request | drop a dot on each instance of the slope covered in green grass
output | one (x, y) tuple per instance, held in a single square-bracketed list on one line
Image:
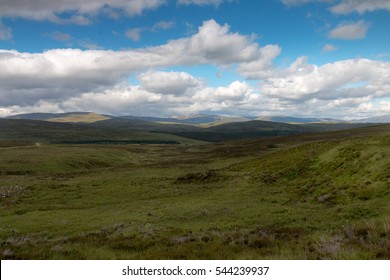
[(52, 132), (316, 196)]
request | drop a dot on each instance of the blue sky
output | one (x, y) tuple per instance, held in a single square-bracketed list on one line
[(317, 58)]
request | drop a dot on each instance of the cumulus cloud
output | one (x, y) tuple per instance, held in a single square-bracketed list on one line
[(119, 99), (350, 31), (356, 78), (263, 66), (125, 99), (50, 10), (338, 97), (237, 98), (54, 74), (176, 83), (78, 80), (347, 89), (214, 43), (58, 74), (236, 91)]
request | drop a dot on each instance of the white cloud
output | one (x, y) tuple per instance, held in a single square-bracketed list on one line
[(120, 99), (50, 10), (125, 99), (263, 66), (360, 6), (163, 25), (214, 43), (134, 34), (357, 78), (59, 74), (55, 74), (5, 32), (347, 99), (74, 19), (301, 2), (347, 6), (329, 48), (60, 36), (41, 106), (176, 83), (89, 45), (295, 2), (350, 31), (202, 2), (97, 80), (231, 94)]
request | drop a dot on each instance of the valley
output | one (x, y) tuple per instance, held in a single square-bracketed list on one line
[(262, 190)]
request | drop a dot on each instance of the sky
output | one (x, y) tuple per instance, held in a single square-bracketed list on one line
[(303, 58)]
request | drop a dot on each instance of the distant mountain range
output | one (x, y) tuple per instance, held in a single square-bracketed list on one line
[(87, 127), (379, 119), (205, 120), (71, 117), (287, 119), (200, 120), (88, 117)]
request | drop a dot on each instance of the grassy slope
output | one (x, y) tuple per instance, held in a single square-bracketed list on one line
[(139, 130), (46, 132), (80, 118), (313, 196), (244, 130), (222, 132)]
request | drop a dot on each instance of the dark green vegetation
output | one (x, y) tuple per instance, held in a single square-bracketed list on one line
[(52, 132), (314, 196), (90, 128)]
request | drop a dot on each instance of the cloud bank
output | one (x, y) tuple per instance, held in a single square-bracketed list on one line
[(77, 80), (62, 75)]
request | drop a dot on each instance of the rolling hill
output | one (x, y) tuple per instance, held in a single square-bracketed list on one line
[(87, 127), (89, 117), (309, 196), (378, 119), (54, 132), (71, 117), (287, 119), (199, 120)]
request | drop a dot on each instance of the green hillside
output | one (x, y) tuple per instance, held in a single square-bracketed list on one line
[(314, 196), (222, 132), (93, 128), (245, 130), (54, 132), (71, 117)]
